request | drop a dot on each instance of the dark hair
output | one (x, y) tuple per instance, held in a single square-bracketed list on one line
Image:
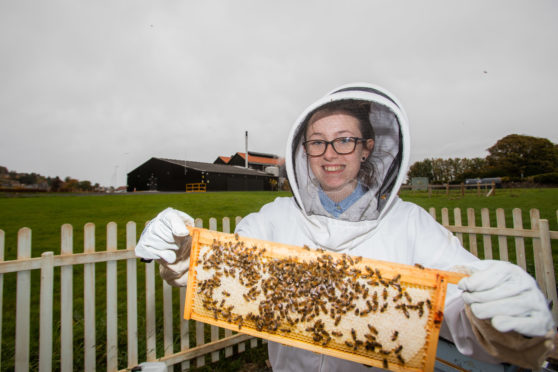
[(357, 109)]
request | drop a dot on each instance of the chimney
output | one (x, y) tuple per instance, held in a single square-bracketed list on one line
[(246, 150)]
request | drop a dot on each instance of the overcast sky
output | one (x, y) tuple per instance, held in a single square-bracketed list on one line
[(93, 89)]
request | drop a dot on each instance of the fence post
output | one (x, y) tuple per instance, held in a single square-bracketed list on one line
[(486, 239), (112, 300), (150, 330), (502, 240), (184, 330), (519, 242), (549, 278), (432, 212), (445, 217), (132, 296), (537, 255), (66, 301), (45, 301), (457, 222), (23, 302), (90, 347), (472, 237)]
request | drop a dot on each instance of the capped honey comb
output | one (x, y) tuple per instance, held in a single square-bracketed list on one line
[(372, 312)]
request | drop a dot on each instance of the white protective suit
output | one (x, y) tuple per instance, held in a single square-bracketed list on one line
[(378, 226)]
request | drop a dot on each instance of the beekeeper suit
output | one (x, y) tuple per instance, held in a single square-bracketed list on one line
[(372, 222)]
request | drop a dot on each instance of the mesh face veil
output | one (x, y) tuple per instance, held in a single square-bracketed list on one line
[(348, 185)]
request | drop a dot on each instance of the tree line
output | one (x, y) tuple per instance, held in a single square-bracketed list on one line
[(514, 158), (11, 180)]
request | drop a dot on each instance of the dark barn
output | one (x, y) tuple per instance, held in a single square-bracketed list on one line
[(173, 175)]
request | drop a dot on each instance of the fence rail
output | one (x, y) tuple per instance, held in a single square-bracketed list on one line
[(189, 341), (196, 187)]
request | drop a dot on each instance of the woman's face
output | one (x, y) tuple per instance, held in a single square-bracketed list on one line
[(337, 174)]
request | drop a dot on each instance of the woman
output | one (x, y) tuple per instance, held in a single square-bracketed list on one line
[(346, 157)]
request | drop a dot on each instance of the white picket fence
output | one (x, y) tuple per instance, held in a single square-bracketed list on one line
[(209, 341)]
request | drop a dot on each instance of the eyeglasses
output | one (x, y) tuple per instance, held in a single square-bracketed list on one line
[(341, 145)]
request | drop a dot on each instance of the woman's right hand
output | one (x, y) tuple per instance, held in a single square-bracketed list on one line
[(167, 240)]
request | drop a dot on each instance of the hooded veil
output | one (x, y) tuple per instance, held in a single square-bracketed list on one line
[(381, 173)]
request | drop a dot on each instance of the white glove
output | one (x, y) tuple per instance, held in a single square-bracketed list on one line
[(164, 236), (506, 294)]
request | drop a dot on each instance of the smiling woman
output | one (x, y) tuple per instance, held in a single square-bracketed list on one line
[(336, 167)]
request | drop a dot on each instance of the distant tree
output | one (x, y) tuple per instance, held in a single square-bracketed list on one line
[(3, 170), (29, 178), (85, 186), (447, 170), (474, 168), (70, 185), (421, 169), (55, 184), (520, 156)]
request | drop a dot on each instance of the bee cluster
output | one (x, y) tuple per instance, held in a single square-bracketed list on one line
[(337, 303)]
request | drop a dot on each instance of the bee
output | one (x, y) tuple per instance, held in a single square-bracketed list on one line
[(349, 344), (236, 236), (385, 294), (372, 329), (378, 274), (406, 312), (286, 330), (438, 317), (385, 363), (394, 336), (397, 298), (353, 334), (419, 266), (428, 304), (337, 320), (400, 358), (398, 349), (384, 307), (408, 297), (336, 334), (306, 247), (357, 311)]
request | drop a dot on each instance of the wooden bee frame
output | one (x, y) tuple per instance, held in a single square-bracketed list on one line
[(391, 285)]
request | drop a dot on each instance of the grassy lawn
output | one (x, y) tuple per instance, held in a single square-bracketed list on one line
[(45, 213)]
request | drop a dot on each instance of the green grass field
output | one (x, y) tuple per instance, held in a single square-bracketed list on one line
[(45, 213)]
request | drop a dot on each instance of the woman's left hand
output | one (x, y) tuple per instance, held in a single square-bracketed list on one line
[(506, 294)]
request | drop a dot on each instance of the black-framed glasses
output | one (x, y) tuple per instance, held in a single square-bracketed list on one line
[(341, 145)]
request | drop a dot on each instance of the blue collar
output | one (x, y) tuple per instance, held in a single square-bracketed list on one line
[(336, 209)]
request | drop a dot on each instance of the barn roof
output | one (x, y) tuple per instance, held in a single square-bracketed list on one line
[(215, 168), (259, 159)]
